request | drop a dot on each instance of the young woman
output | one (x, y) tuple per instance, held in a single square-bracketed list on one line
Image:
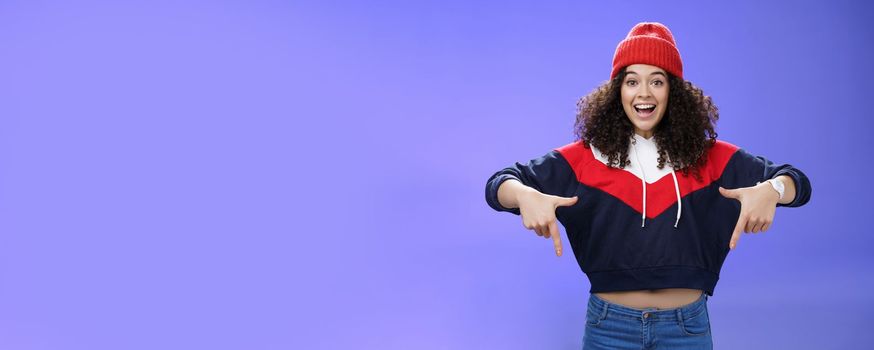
[(651, 201)]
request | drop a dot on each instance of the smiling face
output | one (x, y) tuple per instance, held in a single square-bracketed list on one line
[(645, 97)]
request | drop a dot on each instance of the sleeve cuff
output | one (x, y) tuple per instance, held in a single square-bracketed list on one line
[(796, 181), (492, 193)]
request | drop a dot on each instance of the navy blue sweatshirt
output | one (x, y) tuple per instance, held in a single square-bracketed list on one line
[(641, 227)]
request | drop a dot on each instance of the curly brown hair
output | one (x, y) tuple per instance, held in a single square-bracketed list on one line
[(684, 134)]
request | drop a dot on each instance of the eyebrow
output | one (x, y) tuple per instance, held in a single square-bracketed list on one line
[(653, 73)]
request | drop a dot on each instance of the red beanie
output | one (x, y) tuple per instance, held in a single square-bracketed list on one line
[(648, 43)]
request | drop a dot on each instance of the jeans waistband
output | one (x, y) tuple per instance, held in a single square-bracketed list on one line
[(602, 307)]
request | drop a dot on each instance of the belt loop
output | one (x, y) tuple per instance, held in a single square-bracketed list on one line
[(603, 313), (680, 315)]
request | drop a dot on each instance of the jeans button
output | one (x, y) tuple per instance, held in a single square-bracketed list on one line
[(646, 315)]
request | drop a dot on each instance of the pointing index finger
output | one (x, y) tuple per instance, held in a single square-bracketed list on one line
[(556, 237), (735, 236)]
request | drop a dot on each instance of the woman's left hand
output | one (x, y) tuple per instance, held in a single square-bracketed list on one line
[(757, 206)]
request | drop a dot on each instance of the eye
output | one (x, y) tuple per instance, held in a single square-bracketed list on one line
[(631, 83), (658, 83)]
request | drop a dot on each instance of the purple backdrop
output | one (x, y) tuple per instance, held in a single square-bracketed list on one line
[(275, 175)]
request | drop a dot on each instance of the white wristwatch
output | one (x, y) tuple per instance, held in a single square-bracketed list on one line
[(777, 185)]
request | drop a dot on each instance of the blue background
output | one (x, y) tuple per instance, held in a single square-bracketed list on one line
[(310, 175)]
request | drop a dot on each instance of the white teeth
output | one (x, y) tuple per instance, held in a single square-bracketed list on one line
[(644, 106)]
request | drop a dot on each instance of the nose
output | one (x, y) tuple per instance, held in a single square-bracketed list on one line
[(643, 91)]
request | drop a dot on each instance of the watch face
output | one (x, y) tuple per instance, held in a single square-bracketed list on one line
[(778, 185)]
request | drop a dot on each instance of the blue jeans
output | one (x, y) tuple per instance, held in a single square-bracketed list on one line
[(614, 326)]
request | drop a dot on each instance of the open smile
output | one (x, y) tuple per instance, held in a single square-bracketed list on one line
[(645, 110)]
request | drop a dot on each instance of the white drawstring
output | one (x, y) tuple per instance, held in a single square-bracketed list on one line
[(679, 200), (642, 182)]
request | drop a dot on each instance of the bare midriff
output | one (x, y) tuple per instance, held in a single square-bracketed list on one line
[(653, 298)]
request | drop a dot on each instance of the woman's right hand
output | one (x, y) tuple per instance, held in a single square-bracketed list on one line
[(538, 214)]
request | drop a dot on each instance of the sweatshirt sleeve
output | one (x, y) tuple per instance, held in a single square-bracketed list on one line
[(548, 174), (754, 169)]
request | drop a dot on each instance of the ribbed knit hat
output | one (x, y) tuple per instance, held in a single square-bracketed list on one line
[(648, 43)]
